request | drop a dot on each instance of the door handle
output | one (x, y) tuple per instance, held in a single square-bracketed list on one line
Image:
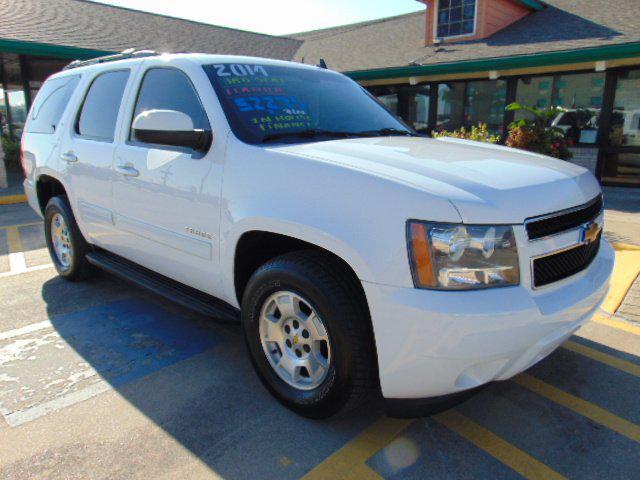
[(69, 157), (127, 171)]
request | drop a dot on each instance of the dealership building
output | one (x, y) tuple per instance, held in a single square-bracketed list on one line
[(455, 63)]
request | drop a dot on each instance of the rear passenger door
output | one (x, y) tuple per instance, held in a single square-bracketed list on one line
[(167, 198), (86, 155)]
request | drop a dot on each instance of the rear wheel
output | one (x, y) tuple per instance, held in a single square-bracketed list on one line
[(308, 333), (66, 244)]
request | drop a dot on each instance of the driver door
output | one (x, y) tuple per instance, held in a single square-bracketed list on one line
[(167, 198)]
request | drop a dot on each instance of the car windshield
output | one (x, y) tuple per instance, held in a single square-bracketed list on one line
[(273, 103)]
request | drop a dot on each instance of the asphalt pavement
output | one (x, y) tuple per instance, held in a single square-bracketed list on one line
[(103, 380)]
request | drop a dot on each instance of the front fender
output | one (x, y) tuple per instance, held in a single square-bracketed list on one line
[(356, 215), (299, 231)]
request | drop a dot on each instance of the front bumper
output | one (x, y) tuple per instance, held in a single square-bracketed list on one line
[(433, 343)]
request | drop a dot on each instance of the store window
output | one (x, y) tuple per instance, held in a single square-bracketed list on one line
[(625, 119), (4, 119), (534, 92), (463, 104), (15, 99), (38, 69), (450, 106), (621, 154), (390, 100), (579, 94), (486, 101), (418, 110), (456, 17), (411, 103), (389, 97)]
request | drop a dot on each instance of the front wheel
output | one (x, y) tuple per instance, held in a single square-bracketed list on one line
[(308, 333), (66, 244)]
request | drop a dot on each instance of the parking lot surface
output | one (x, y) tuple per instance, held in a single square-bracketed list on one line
[(103, 380)]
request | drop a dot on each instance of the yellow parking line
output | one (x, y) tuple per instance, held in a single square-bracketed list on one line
[(626, 269), (348, 462), (12, 199), (17, 262), (510, 455), (625, 246), (618, 324), (602, 357), (580, 406), (20, 225), (13, 240)]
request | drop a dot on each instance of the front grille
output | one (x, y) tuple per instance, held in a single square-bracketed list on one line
[(557, 266), (556, 223)]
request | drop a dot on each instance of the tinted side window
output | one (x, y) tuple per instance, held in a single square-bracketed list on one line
[(50, 104), (170, 89), (100, 108)]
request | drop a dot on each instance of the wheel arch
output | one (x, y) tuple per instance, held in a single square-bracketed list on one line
[(47, 187), (256, 247)]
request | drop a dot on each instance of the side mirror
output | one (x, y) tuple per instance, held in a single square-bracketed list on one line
[(169, 127)]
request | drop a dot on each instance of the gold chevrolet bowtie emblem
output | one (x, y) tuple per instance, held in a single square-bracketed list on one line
[(295, 339), (590, 232)]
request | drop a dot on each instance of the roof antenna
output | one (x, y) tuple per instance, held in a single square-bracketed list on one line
[(322, 63)]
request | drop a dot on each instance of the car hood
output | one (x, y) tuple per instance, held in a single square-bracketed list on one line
[(486, 183)]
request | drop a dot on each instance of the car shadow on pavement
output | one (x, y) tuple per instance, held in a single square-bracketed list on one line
[(192, 377)]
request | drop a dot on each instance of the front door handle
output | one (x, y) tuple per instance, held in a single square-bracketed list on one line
[(69, 157), (127, 171)]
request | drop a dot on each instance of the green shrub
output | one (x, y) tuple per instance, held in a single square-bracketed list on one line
[(11, 149), (478, 133), (537, 134)]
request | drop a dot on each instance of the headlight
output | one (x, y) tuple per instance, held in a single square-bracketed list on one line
[(450, 256)]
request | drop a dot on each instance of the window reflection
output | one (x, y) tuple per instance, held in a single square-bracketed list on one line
[(450, 106), (390, 101), (486, 102), (625, 120), (579, 94), (14, 94), (418, 114)]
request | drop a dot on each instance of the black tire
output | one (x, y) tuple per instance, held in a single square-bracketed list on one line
[(334, 295), (79, 268)]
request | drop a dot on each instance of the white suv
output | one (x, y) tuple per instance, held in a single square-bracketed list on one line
[(358, 254)]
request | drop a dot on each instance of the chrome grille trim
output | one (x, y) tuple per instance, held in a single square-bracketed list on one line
[(560, 213)]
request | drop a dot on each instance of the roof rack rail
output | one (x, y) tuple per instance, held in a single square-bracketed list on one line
[(129, 53)]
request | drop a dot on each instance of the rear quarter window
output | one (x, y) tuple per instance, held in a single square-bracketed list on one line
[(50, 104)]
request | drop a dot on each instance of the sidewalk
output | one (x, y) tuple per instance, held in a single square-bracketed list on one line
[(622, 215), (11, 190)]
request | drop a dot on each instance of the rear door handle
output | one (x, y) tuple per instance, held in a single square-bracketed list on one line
[(69, 157), (127, 171)]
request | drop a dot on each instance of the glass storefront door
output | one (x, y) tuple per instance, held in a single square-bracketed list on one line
[(621, 153)]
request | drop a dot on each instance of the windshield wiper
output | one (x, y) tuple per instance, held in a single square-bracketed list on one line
[(385, 132), (312, 133)]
